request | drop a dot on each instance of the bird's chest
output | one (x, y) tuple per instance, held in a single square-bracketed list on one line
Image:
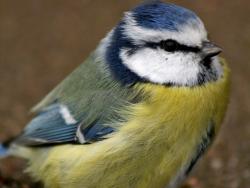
[(179, 125)]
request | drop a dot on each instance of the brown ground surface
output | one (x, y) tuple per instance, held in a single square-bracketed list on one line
[(42, 41)]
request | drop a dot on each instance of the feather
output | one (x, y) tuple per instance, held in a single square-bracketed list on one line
[(3, 151), (80, 109)]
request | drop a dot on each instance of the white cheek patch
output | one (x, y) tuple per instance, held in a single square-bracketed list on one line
[(162, 67)]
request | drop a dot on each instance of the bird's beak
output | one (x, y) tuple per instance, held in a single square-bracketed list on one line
[(209, 50)]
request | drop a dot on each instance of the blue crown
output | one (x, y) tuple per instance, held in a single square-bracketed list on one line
[(158, 15), (154, 15)]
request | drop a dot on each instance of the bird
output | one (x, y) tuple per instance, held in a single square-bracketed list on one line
[(138, 113)]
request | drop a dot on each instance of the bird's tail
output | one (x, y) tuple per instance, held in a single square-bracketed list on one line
[(10, 148), (4, 151), (5, 148)]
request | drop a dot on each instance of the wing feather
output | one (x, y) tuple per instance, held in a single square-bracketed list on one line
[(81, 109)]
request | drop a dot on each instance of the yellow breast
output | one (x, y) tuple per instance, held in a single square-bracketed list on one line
[(159, 139)]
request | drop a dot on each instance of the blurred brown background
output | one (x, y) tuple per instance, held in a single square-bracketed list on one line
[(41, 41)]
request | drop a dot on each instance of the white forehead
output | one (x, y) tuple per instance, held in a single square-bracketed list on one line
[(193, 33)]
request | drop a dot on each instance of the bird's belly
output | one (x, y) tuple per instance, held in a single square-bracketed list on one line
[(137, 156)]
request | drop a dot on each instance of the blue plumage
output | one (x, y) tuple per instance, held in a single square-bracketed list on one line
[(96, 132), (118, 69), (159, 15), (50, 127), (50, 117), (3, 151)]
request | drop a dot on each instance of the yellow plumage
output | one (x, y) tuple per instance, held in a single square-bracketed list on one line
[(159, 139)]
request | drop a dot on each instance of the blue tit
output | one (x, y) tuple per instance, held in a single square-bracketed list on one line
[(138, 113)]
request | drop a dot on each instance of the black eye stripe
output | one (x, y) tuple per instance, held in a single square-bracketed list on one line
[(177, 47), (189, 48)]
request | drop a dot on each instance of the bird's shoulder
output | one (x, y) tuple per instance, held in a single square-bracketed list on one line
[(81, 109)]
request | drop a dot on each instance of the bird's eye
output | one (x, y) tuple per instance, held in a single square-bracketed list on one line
[(169, 45)]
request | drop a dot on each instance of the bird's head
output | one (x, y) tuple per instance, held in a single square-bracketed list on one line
[(161, 43)]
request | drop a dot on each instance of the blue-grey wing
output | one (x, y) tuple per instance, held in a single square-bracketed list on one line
[(56, 125)]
